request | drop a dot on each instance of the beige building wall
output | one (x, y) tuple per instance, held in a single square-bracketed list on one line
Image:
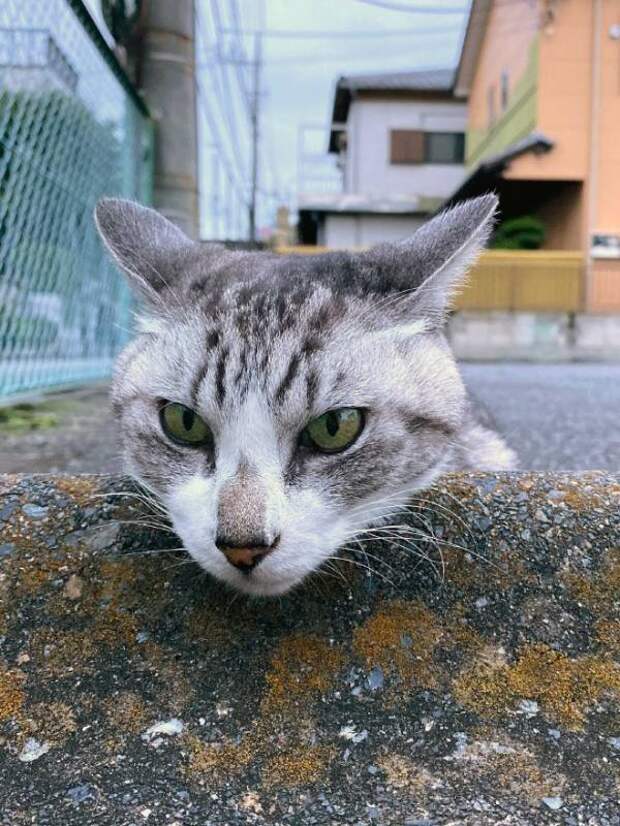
[(606, 167), (563, 217), (563, 96), (511, 29)]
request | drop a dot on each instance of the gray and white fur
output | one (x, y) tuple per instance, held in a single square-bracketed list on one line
[(258, 344)]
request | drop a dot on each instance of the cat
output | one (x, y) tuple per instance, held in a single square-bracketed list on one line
[(278, 404)]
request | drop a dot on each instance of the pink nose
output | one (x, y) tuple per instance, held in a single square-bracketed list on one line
[(245, 559)]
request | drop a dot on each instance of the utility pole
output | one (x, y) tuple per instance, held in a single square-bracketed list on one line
[(255, 121), (168, 83)]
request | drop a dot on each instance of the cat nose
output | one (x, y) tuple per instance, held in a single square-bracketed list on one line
[(245, 558)]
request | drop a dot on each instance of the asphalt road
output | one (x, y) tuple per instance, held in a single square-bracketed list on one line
[(556, 416)]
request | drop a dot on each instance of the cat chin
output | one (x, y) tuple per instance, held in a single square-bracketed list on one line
[(252, 587), (265, 581)]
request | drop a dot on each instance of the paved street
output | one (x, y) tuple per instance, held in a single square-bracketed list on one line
[(556, 416)]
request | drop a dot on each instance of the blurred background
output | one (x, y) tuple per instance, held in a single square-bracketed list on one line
[(303, 126)]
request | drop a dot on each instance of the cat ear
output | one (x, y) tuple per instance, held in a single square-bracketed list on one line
[(429, 267), (146, 246)]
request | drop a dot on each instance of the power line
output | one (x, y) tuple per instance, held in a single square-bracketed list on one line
[(241, 78), (224, 92), (303, 34), (403, 7)]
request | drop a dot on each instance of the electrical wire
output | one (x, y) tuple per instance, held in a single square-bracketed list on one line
[(312, 34), (403, 7)]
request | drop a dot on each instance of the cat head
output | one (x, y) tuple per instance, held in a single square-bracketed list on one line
[(277, 405)]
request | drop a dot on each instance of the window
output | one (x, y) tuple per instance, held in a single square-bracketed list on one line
[(413, 146), (445, 147), (504, 91), (491, 105)]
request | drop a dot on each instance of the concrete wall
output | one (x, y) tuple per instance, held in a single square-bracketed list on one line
[(368, 169), (346, 231), (468, 669), (486, 336)]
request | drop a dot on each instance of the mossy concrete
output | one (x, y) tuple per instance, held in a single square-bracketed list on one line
[(472, 678)]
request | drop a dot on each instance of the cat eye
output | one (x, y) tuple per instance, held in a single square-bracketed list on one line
[(334, 431), (182, 425)]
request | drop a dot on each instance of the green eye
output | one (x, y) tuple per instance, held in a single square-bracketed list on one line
[(335, 430), (184, 426)]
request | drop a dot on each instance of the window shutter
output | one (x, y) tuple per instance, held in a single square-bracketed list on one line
[(406, 146)]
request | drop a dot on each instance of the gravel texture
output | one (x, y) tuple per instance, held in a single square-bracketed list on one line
[(479, 690)]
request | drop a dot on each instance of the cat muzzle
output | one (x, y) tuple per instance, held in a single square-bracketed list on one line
[(245, 559)]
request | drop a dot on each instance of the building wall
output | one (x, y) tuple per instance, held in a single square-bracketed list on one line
[(564, 101), (509, 46), (350, 231), (563, 217), (606, 167), (368, 169)]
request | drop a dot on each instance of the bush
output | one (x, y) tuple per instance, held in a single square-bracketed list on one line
[(524, 233)]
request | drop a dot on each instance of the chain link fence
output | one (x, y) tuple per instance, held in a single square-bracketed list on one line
[(71, 130)]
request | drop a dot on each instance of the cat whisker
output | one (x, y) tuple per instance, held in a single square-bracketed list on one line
[(366, 568), (155, 552), (156, 526), (419, 553), (127, 494), (368, 556)]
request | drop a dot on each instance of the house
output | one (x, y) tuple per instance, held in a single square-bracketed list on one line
[(399, 141), (542, 81)]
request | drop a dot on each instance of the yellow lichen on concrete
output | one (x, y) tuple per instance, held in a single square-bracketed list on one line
[(584, 493), (58, 652), (301, 669), (80, 488), (481, 686), (406, 640), (210, 626), (116, 578), (481, 576), (126, 712), (281, 736), (402, 774), (608, 635), (565, 688), (28, 576), (11, 692), (52, 722), (297, 766), (401, 638), (216, 761), (600, 592)]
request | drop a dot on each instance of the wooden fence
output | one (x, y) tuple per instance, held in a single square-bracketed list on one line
[(526, 280)]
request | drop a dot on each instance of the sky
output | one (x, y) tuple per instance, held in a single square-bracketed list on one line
[(299, 73)]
